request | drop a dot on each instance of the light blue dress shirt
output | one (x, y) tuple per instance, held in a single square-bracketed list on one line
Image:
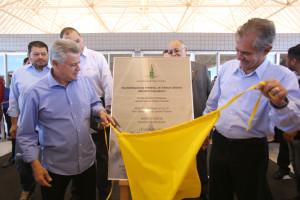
[(62, 115), (234, 119), (21, 79)]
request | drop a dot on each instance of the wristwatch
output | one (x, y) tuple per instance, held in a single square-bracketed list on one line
[(286, 102), (108, 112)]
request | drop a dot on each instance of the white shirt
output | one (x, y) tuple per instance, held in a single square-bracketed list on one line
[(94, 66)]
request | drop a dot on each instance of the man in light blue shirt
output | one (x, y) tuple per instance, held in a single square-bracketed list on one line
[(21, 79), (60, 105), (239, 159), (94, 66)]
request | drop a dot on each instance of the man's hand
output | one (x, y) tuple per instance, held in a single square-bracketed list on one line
[(13, 131), (105, 120), (276, 89), (41, 174), (289, 137), (14, 127)]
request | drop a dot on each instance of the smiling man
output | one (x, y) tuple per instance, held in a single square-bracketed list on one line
[(239, 158), (61, 105)]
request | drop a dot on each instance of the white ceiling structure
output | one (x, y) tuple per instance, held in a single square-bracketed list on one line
[(109, 16)]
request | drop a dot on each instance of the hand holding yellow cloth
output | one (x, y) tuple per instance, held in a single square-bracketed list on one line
[(161, 165)]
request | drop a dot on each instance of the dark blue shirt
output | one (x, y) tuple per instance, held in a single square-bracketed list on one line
[(6, 97)]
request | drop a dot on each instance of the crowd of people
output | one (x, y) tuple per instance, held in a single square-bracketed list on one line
[(63, 109)]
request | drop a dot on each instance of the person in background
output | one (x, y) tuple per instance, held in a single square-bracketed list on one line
[(26, 61), (21, 79), (68, 151), (2, 92), (5, 104), (94, 66), (283, 157), (213, 81), (201, 86), (293, 139), (239, 158), (166, 53)]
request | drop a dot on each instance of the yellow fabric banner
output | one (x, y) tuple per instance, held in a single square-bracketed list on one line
[(161, 165)]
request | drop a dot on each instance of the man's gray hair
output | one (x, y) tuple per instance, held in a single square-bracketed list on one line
[(59, 49), (263, 29)]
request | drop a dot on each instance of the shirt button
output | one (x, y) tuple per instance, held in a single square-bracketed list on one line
[(79, 157), (75, 116), (79, 144), (78, 130)]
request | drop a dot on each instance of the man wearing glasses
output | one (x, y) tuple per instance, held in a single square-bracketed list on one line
[(201, 86)]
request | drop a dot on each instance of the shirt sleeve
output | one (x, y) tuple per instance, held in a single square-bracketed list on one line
[(14, 110), (106, 80), (96, 103), (288, 118), (27, 137)]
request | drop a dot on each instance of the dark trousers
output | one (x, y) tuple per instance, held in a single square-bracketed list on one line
[(84, 182), (240, 167), (283, 158), (202, 171), (25, 172), (103, 185), (294, 147)]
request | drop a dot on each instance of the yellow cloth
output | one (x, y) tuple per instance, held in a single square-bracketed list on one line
[(161, 165)]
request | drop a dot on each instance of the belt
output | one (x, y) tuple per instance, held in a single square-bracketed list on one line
[(246, 140)]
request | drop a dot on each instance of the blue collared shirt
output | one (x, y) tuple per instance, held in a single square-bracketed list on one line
[(233, 120), (62, 115), (21, 79), (94, 66)]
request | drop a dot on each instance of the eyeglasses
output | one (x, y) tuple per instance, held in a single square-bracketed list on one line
[(174, 51)]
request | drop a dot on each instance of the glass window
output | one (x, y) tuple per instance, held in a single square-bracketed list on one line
[(111, 59), (282, 58), (152, 55), (226, 57), (271, 57), (106, 57), (15, 61)]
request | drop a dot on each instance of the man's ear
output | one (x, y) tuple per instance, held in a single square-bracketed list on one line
[(268, 49), (54, 64), (293, 62)]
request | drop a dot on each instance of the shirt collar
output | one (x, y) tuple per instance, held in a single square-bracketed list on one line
[(52, 82), (259, 71), (31, 66), (85, 53)]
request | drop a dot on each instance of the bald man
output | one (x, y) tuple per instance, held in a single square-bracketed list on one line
[(201, 86)]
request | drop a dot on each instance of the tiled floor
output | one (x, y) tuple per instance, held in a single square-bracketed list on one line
[(5, 147)]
